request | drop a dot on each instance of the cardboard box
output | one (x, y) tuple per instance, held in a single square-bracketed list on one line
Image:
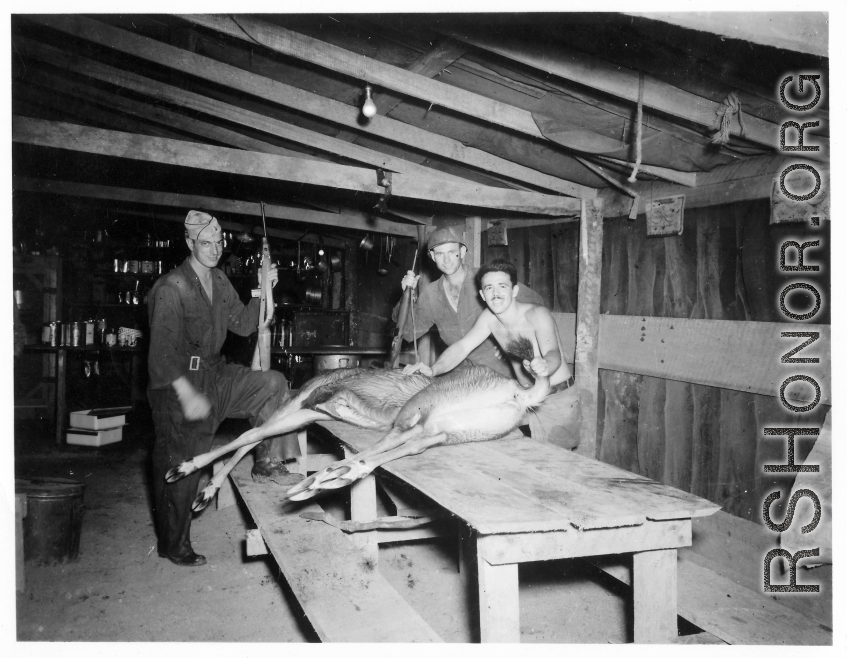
[(96, 438), (99, 419)]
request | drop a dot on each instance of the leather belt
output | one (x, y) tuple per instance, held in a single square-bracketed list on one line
[(563, 386)]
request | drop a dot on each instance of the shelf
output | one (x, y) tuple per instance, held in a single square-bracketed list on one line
[(85, 348)]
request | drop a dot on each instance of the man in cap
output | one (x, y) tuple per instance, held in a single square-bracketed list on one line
[(192, 389), (452, 302)]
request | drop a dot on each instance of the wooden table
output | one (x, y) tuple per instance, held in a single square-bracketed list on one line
[(527, 501)]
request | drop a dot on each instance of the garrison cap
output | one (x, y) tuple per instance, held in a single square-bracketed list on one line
[(197, 222), (444, 235)]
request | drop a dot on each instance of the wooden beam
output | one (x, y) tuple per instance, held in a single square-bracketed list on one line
[(598, 74), (588, 322), (303, 101), (355, 221), (247, 118), (321, 53), (800, 31), (277, 167), (742, 181), (687, 178), (429, 65), (743, 356)]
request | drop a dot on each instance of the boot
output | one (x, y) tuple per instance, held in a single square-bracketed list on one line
[(271, 455)]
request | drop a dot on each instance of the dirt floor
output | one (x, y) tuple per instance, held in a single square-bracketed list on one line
[(120, 590)]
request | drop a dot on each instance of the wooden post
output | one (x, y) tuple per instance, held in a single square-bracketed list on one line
[(226, 494), (20, 514), (588, 320), (61, 405), (654, 590), (363, 508), (473, 241), (499, 610)]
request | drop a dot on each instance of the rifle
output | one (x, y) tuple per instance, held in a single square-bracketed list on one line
[(402, 318), (262, 354)]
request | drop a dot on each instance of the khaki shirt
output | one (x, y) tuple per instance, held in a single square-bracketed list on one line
[(184, 323)]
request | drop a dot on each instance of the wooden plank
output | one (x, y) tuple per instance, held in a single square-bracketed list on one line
[(560, 60), (20, 515), (342, 593), (277, 167), (499, 608), (704, 195), (619, 437), (430, 65), (705, 448), (337, 59), (206, 105), (554, 489), (740, 616), (565, 265), (538, 546), (743, 356), (737, 467), (622, 492), (588, 322), (799, 31), (654, 592), (187, 201), (732, 612), (303, 101)]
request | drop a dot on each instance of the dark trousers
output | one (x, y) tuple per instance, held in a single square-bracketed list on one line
[(234, 392)]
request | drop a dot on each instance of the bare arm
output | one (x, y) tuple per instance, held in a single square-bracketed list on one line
[(458, 351), (545, 333)]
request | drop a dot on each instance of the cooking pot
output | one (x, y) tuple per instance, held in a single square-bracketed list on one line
[(323, 362), (367, 243)]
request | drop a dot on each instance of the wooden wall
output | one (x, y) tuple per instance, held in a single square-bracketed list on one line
[(701, 439)]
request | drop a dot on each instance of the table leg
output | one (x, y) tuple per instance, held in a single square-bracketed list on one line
[(499, 611), (654, 588), (363, 508)]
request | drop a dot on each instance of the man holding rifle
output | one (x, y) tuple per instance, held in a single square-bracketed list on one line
[(452, 302)]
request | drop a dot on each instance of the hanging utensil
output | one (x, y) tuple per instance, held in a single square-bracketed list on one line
[(367, 243), (381, 269)]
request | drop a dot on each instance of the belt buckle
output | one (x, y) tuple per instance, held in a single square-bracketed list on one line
[(194, 364)]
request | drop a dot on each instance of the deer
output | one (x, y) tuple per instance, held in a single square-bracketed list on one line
[(468, 404), (366, 398), (465, 405)]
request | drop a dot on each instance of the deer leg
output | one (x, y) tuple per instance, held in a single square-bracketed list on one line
[(208, 493), (364, 465), (281, 425), (308, 487)]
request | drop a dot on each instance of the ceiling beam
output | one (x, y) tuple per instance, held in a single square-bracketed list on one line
[(276, 167), (598, 74), (740, 181), (800, 31), (343, 61), (186, 202), (303, 101), (196, 102), (326, 55), (429, 65)]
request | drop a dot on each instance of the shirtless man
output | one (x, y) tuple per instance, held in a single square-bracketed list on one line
[(520, 329)]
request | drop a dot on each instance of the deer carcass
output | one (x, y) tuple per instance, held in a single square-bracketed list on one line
[(467, 404), (365, 398)]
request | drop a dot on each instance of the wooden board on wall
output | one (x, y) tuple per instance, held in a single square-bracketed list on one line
[(743, 356)]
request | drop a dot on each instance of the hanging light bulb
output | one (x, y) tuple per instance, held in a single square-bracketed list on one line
[(368, 107)]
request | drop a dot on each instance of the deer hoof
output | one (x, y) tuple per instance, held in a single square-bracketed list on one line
[(179, 472), (204, 498)]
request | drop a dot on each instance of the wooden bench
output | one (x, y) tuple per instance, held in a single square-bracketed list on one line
[(339, 588), (719, 587)]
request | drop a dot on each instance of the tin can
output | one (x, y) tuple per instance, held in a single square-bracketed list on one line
[(45, 333), (147, 267), (89, 332), (111, 339), (117, 265), (132, 266), (77, 334), (55, 334), (158, 267), (66, 333)]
